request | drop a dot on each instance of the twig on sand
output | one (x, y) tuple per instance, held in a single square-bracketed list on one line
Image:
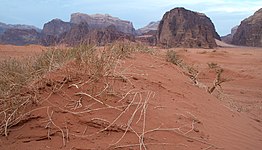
[(95, 99), (50, 121)]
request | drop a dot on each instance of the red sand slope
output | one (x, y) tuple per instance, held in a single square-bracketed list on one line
[(165, 110)]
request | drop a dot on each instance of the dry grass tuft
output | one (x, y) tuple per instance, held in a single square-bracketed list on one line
[(171, 56), (18, 76)]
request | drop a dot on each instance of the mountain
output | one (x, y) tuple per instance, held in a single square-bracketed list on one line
[(56, 27), (228, 38), (152, 26), (184, 28), (101, 21), (249, 32), (19, 34)]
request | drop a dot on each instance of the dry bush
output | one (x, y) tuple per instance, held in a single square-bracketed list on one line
[(171, 56), (212, 65)]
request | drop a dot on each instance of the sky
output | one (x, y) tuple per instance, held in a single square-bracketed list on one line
[(225, 14)]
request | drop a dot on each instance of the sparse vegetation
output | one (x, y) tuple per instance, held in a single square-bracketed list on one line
[(20, 75), (218, 80), (171, 56), (212, 65)]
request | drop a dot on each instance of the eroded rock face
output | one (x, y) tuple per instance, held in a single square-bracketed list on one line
[(249, 32), (184, 28), (100, 21)]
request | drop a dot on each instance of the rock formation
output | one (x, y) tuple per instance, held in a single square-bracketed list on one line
[(100, 21), (184, 28), (148, 33), (249, 32), (4, 27), (82, 33), (20, 36), (56, 27), (152, 26), (228, 38)]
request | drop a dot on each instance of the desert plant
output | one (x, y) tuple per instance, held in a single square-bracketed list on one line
[(218, 81), (171, 56), (212, 65)]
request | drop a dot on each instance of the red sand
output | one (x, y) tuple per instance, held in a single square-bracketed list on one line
[(179, 115), (10, 51)]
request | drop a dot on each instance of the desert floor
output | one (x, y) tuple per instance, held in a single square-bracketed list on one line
[(151, 104)]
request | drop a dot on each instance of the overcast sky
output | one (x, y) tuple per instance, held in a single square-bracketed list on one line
[(225, 14)]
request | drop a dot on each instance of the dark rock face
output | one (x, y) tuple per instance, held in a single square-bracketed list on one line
[(184, 28), (76, 35), (100, 21), (228, 38), (249, 32)]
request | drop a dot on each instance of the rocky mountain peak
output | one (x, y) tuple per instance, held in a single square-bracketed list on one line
[(56, 27), (180, 27)]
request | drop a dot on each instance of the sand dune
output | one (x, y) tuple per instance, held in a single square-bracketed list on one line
[(163, 106)]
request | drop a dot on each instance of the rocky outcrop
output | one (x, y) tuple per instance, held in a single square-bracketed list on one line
[(152, 26), (184, 28), (100, 21), (53, 31), (20, 36), (56, 27), (83, 34), (249, 32), (228, 38)]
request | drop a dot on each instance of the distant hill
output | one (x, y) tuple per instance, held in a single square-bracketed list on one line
[(152, 26)]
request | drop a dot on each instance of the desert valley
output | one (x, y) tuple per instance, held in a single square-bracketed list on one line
[(96, 82)]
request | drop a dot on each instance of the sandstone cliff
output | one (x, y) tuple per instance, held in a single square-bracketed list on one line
[(249, 32), (184, 28)]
